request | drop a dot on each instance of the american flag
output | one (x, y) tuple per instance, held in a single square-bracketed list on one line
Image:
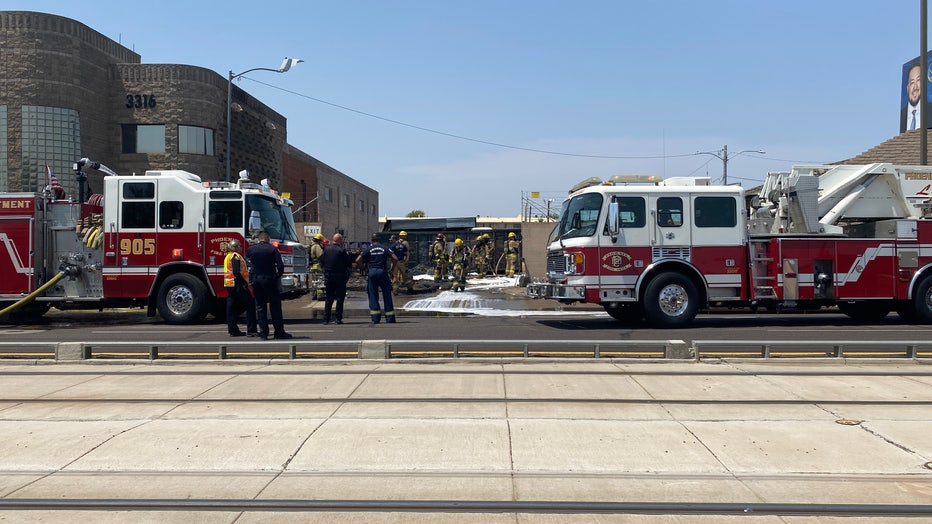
[(57, 190)]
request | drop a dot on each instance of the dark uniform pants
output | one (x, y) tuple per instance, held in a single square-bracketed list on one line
[(380, 282), (268, 302), (335, 289), (239, 299)]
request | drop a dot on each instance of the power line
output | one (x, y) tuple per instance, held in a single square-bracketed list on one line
[(461, 137), (498, 144)]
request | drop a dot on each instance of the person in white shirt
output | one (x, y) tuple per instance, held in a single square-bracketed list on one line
[(911, 115)]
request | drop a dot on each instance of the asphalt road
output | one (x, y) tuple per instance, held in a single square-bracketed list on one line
[(523, 320)]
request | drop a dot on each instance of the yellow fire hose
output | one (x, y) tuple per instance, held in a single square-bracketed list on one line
[(25, 300)]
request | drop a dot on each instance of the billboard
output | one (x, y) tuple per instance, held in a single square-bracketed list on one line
[(910, 115)]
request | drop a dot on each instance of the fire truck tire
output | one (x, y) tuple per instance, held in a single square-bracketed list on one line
[(625, 313), (670, 301), (922, 301), (182, 299)]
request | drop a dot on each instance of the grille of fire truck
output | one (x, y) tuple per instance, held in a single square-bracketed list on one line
[(682, 253), (556, 263)]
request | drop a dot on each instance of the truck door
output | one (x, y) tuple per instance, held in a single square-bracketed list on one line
[(670, 226), (130, 238), (225, 222)]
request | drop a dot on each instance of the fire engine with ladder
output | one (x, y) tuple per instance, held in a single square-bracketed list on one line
[(154, 240), (857, 237)]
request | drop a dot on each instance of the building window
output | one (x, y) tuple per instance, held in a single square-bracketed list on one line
[(51, 135), (372, 209), (143, 138), (362, 206), (196, 140), (345, 200), (328, 195)]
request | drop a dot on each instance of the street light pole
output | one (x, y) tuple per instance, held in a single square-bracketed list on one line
[(287, 64), (725, 157)]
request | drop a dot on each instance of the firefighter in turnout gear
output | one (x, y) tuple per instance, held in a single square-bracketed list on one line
[(478, 255), (315, 272), (512, 250), (236, 282), (489, 253), (438, 253), (459, 260), (400, 248)]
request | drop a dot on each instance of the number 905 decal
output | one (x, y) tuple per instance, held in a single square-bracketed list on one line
[(137, 246)]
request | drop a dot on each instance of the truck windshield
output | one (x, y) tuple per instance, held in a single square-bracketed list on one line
[(276, 219), (580, 217)]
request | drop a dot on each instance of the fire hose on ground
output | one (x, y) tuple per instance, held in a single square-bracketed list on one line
[(28, 298)]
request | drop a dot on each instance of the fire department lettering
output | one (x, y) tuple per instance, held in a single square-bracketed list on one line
[(16, 204), (616, 261), (137, 246)]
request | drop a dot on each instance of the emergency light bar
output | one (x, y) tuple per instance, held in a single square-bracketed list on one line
[(635, 179), (591, 181)]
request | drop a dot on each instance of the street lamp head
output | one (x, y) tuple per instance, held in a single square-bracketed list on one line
[(288, 63)]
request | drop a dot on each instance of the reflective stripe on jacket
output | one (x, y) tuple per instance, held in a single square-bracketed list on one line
[(229, 279)]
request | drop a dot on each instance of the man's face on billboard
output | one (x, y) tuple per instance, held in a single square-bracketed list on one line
[(912, 85)]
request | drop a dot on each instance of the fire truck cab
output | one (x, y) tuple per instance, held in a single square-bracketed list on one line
[(656, 251)]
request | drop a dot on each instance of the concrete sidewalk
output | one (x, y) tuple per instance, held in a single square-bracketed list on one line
[(492, 430)]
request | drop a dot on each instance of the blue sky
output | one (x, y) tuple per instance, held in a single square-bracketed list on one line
[(649, 82)]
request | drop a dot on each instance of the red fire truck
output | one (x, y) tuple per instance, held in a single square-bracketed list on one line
[(154, 241), (852, 236)]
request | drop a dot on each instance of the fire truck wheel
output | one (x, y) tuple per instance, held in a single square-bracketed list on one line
[(922, 301), (625, 313), (670, 301), (182, 299)]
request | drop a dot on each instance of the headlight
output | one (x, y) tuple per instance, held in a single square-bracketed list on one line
[(575, 263), (287, 260)]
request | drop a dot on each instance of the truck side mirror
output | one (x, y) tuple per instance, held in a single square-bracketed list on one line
[(612, 220)]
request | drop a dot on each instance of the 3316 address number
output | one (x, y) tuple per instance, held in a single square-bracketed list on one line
[(140, 101)]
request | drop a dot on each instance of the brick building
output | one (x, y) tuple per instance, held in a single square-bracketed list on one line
[(67, 92)]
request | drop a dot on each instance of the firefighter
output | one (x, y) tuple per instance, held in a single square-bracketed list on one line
[(438, 253), (459, 260), (512, 249), (317, 249), (265, 269), (490, 266), (478, 255), (378, 257), (316, 273), (400, 248), (236, 282)]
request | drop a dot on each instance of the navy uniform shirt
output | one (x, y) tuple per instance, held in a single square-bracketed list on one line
[(335, 259), (376, 256), (264, 260)]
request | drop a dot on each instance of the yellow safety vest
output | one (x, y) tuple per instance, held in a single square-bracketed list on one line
[(229, 279)]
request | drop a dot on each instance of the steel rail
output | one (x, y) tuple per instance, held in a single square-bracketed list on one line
[(473, 506)]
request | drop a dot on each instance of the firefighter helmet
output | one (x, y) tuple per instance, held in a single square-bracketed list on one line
[(233, 245), (458, 242), (511, 235), (439, 236), (403, 234), (318, 237)]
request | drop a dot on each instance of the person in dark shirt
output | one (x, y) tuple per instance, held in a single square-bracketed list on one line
[(265, 268), (336, 264), (378, 257)]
